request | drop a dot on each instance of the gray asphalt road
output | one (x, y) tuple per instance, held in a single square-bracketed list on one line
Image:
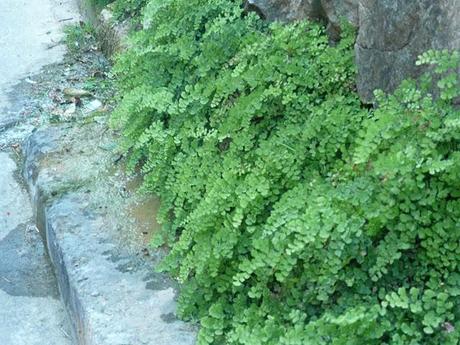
[(30, 310), (29, 33)]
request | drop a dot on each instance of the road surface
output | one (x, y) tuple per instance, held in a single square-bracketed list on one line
[(30, 310)]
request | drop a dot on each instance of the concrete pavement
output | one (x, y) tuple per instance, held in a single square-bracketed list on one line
[(30, 310)]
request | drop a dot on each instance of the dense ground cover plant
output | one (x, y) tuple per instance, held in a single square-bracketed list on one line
[(99, 3), (78, 37), (122, 9), (128, 8), (294, 215)]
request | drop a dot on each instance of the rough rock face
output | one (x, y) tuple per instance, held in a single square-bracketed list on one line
[(391, 33), (337, 10), (286, 10)]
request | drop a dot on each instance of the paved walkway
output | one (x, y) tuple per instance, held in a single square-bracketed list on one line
[(30, 310)]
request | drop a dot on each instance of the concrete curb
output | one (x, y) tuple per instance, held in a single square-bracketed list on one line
[(112, 296)]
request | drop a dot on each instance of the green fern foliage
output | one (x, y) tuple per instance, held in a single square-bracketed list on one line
[(128, 8), (294, 215)]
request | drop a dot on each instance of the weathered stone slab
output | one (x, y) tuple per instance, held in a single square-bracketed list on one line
[(110, 291), (393, 33), (286, 10), (332, 11), (108, 305)]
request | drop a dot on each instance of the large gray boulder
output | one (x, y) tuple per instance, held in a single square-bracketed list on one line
[(286, 10), (336, 11), (391, 33)]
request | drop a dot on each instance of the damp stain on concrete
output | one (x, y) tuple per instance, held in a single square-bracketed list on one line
[(169, 318), (25, 269)]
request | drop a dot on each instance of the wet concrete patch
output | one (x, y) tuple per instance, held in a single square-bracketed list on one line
[(169, 318), (144, 213), (24, 265), (157, 281), (154, 281)]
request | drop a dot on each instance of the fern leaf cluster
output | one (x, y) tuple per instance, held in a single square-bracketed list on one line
[(295, 216)]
